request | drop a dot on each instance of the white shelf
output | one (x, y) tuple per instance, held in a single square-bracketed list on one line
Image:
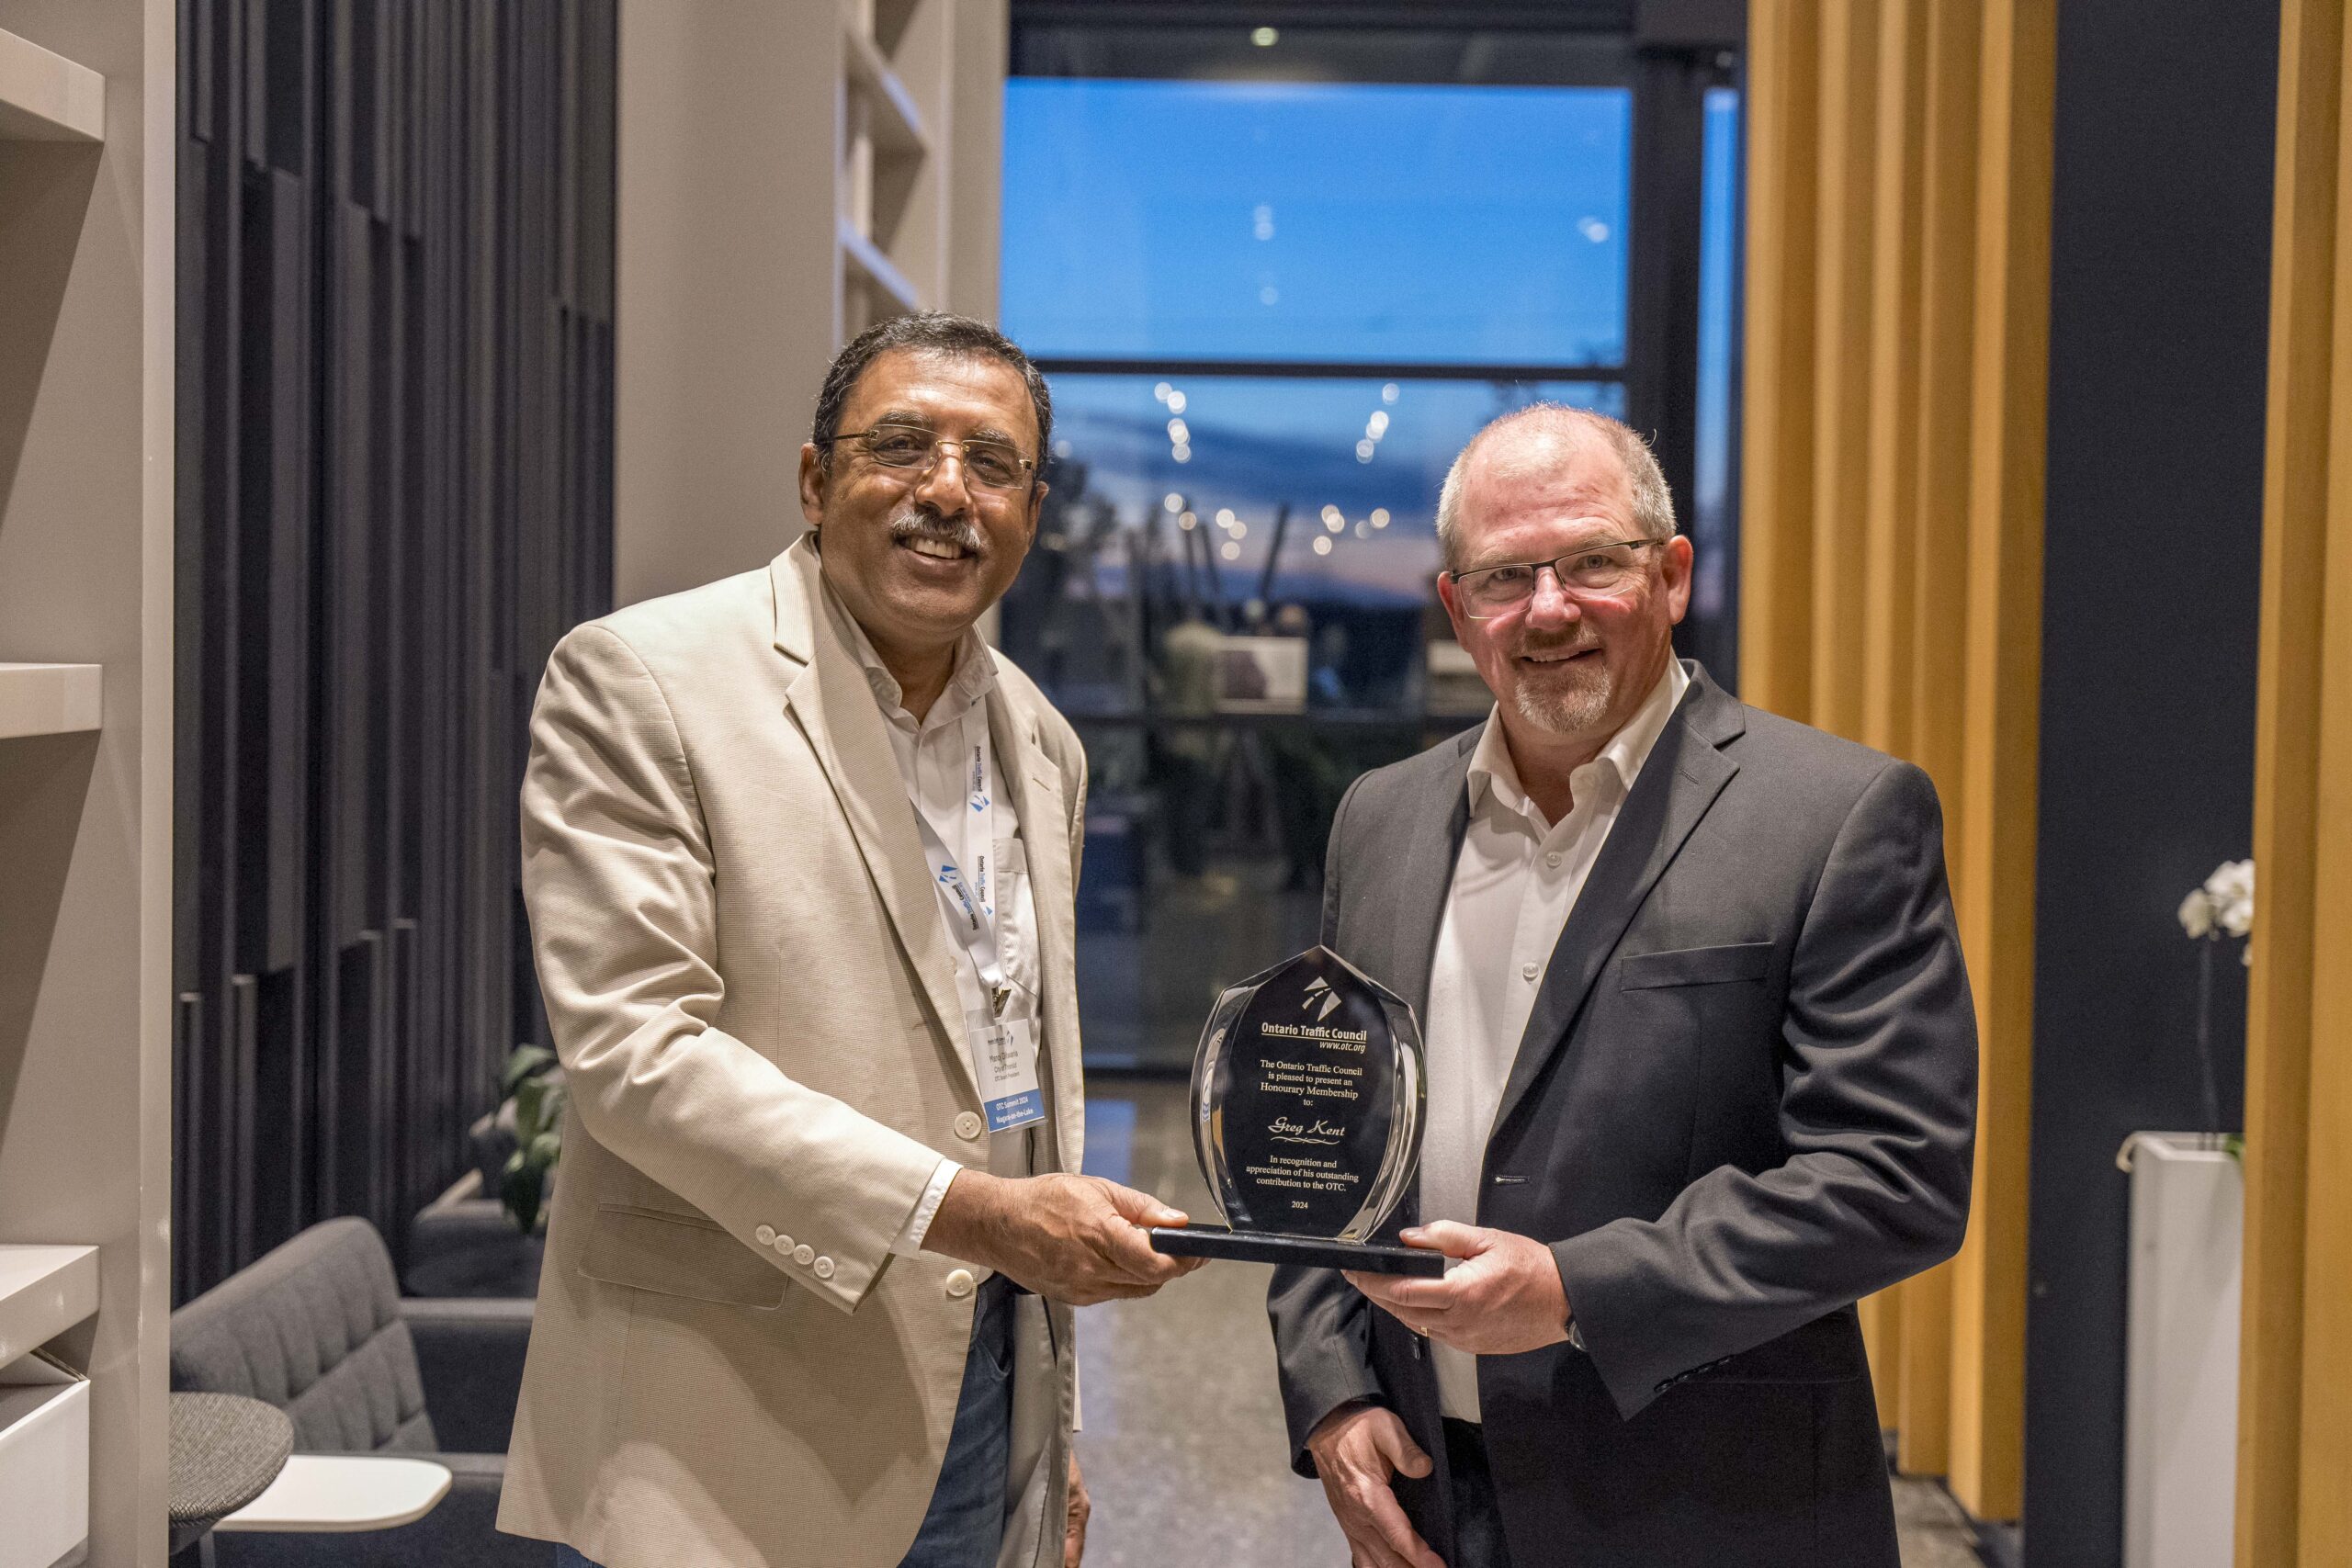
[(49, 699), (47, 97), (864, 261), (44, 1291), (44, 1465), (895, 122)]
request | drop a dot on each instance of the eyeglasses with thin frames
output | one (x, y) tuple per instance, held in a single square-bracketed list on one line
[(1589, 571), (991, 464)]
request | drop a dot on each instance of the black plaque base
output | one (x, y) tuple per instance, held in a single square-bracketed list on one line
[(1300, 1251)]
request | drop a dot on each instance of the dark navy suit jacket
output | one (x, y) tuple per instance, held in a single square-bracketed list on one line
[(1746, 1099)]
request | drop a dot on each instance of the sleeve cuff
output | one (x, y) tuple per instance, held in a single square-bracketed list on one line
[(909, 1241)]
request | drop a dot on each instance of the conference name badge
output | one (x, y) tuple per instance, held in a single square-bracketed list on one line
[(1004, 1060)]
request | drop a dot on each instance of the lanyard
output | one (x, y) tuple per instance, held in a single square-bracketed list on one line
[(967, 885)]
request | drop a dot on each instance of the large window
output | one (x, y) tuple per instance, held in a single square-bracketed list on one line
[(1277, 281)]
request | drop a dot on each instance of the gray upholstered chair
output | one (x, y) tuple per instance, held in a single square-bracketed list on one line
[(318, 1328)]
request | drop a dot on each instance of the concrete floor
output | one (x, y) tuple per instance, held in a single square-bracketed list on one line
[(1183, 1446)]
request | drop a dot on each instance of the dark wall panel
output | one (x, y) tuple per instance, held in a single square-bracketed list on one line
[(2160, 272), (395, 418)]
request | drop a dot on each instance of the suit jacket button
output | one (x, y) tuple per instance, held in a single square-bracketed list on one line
[(765, 1236), (803, 1254), (824, 1268), (784, 1244), (967, 1127), (959, 1282)]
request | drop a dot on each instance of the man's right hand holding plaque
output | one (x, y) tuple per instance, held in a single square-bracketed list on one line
[(1306, 1116)]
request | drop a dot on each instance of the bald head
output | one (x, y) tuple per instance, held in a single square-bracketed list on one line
[(1543, 436)]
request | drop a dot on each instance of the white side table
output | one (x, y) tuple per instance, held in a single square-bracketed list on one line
[(2181, 1368), (345, 1492)]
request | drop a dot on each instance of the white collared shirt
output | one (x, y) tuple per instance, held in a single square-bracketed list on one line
[(1515, 883), (933, 764)]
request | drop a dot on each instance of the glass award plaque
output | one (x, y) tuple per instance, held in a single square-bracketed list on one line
[(1306, 1117)]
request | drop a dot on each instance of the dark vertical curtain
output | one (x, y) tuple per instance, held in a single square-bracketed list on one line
[(395, 491)]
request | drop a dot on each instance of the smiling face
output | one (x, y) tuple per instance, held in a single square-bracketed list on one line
[(917, 553), (1568, 671)]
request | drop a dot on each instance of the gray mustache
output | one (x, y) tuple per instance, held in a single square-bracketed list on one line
[(959, 532)]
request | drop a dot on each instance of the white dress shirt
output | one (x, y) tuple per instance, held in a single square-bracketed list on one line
[(932, 759), (1514, 885)]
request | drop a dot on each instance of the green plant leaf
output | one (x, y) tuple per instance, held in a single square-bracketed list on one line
[(530, 1101), (520, 1190), (524, 1062)]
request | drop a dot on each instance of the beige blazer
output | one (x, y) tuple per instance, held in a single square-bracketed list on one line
[(752, 992)]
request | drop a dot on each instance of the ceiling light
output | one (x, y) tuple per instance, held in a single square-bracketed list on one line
[(1175, 402), (1389, 393), (1229, 551), (1265, 38), (1364, 450), (1224, 517), (1181, 454), (1173, 502), (1380, 517), (1322, 544)]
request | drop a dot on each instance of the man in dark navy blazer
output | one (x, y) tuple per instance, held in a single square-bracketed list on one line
[(1701, 1073)]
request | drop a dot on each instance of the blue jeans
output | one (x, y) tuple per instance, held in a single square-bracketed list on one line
[(964, 1527)]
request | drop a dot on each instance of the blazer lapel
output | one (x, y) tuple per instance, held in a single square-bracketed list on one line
[(835, 709), (1033, 786), (1428, 881), (1685, 773), (1419, 901)]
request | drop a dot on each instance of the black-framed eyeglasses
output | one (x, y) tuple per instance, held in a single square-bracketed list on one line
[(991, 465), (1595, 569)]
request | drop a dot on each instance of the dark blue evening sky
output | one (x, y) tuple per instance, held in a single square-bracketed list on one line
[(1213, 220)]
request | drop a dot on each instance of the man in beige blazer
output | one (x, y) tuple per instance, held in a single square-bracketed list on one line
[(810, 1263)]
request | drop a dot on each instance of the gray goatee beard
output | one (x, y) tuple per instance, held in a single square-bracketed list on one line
[(919, 522), (1567, 709)]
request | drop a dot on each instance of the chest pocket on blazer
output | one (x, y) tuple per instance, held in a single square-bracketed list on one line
[(1694, 965), (678, 1255)]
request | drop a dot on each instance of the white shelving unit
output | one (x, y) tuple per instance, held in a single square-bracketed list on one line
[(88, 103), (44, 1407), (44, 1291), (891, 255), (47, 97), (49, 699)]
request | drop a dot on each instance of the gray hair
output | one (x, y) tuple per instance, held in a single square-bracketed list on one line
[(1653, 502)]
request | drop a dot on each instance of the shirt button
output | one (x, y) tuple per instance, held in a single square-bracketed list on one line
[(959, 1283), (1527, 970), (765, 1236), (968, 1126), (803, 1253), (784, 1244), (824, 1269), (1552, 859)]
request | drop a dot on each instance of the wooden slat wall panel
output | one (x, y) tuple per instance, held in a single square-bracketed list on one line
[(1891, 592), (396, 415), (2001, 735), (1776, 425), (2294, 1442)]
